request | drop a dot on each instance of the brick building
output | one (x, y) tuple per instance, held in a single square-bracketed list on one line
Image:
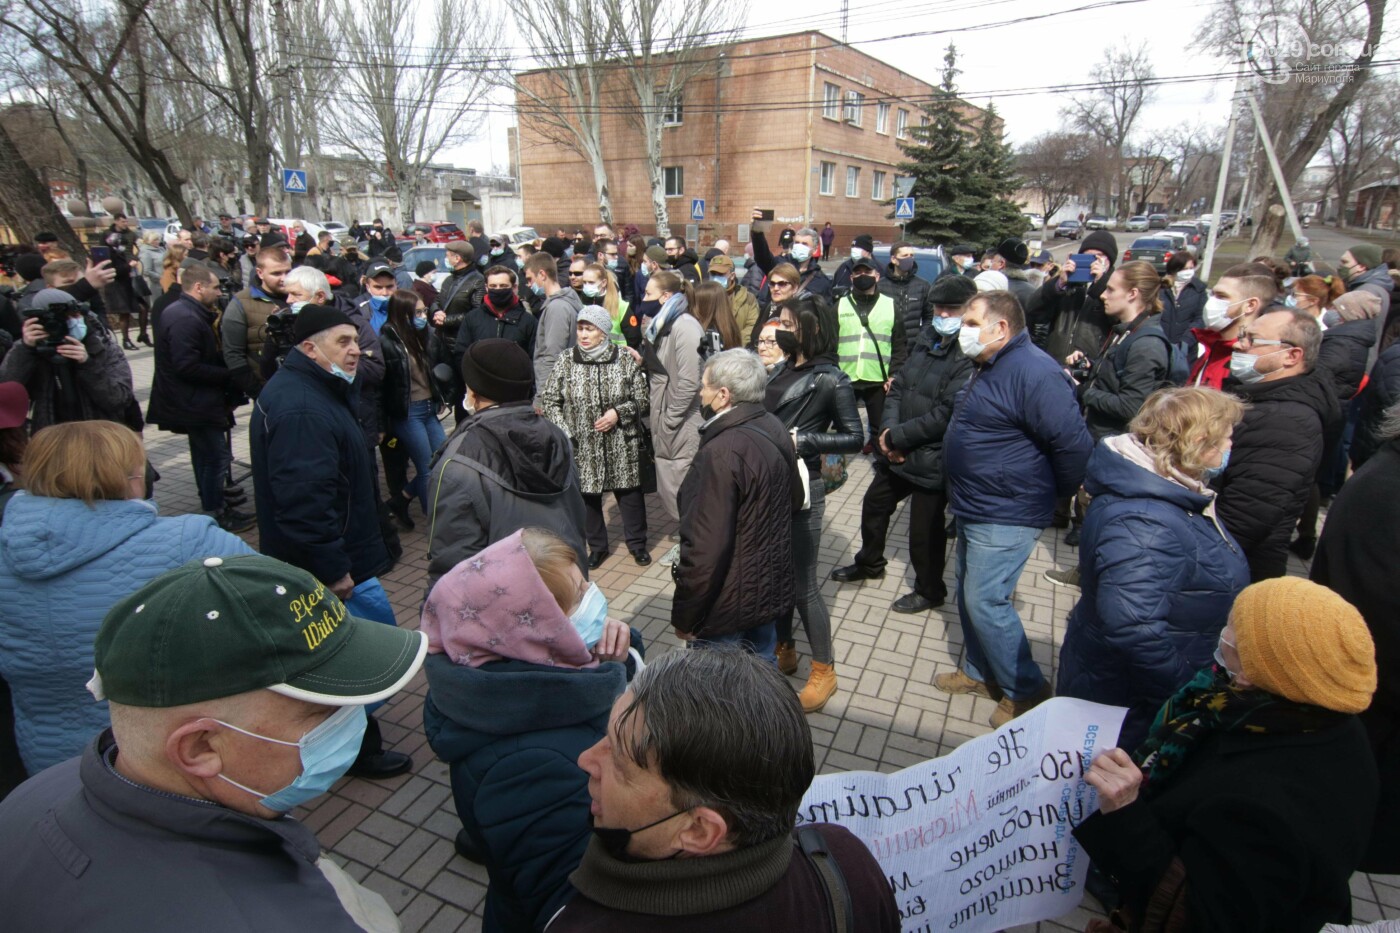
[(798, 123)]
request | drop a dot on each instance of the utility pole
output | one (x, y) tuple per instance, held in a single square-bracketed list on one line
[(1274, 166), (1220, 184)]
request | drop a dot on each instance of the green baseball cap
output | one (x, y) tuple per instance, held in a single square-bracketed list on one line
[(227, 625)]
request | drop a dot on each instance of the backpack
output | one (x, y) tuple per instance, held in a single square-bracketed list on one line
[(1178, 362)]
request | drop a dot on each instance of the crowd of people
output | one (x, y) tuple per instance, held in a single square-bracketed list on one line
[(174, 694)]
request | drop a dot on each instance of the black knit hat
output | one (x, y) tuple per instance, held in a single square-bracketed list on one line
[(498, 370), (312, 319), (1102, 241), (1014, 251), (952, 290), (30, 266), (864, 241)]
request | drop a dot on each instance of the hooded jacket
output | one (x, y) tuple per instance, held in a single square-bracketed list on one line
[(687, 265), (920, 404), (80, 845), (1075, 311), (1381, 392), (1157, 576), (63, 564), (1343, 356), (911, 299), (1274, 457), (61, 390), (1378, 282), (511, 733), (502, 469), (554, 331)]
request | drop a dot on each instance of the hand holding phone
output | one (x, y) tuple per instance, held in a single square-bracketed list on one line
[(100, 254), (1083, 267)]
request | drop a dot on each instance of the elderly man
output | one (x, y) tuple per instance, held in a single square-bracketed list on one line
[(243, 325), (734, 574), (699, 811), (1015, 441), (215, 738), (1277, 449), (313, 476)]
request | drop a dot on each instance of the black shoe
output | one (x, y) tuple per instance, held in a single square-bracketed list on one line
[(142, 338), (915, 602), (641, 557), (951, 529), (1304, 547), (467, 849), (382, 764), (867, 450), (398, 507), (1072, 539), (595, 560), (855, 572), (127, 344), (234, 521), (235, 496)]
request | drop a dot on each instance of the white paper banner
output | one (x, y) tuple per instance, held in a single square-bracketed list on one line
[(980, 839)]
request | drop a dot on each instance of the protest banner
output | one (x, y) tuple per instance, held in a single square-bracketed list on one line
[(980, 839)]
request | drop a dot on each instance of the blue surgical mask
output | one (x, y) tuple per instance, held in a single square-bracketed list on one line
[(483, 260), (1210, 473), (593, 289), (337, 371), (947, 326), (420, 322), (327, 752), (296, 306), (378, 302), (614, 264), (720, 279), (1290, 302), (590, 615), (498, 251), (1245, 366), (800, 252), (535, 289), (646, 270), (77, 328)]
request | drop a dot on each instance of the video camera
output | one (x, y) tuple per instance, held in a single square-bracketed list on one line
[(53, 317), (277, 335)]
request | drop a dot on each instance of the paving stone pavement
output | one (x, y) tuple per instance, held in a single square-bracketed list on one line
[(395, 836)]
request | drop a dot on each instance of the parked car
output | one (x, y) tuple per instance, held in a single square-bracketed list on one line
[(1157, 221), (516, 235), (1033, 221), (1069, 230), (158, 224), (336, 228), (437, 254), (1154, 249), (1176, 236), (1136, 223), (435, 232), (928, 260), (1100, 222), (1192, 233)]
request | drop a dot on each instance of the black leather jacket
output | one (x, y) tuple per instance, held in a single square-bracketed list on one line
[(813, 399)]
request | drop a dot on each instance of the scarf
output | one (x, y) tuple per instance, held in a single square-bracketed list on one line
[(596, 355), (674, 307), (1211, 703)]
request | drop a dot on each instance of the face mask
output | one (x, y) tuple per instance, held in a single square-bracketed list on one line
[(614, 264), (420, 322), (1245, 367), (1211, 473), (801, 252), (707, 412), (858, 253), (722, 280), (535, 289), (592, 290), (296, 306), (327, 752), (947, 326), (590, 615), (1185, 275), (1345, 272), (863, 283), (498, 251), (968, 340), (906, 264), (965, 263), (1220, 657), (646, 270), (615, 841), (1290, 302), (501, 297), (379, 302), (1215, 315), (77, 328), (337, 371), (787, 342)]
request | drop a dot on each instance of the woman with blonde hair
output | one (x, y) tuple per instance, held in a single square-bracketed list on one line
[(1157, 569), (600, 288), (175, 254), (78, 537)]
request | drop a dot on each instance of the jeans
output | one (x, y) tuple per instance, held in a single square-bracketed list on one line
[(210, 458), (806, 539), (422, 435), (632, 504), (928, 535), (761, 640), (990, 559), (369, 601)]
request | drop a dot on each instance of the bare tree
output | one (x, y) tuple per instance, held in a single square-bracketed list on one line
[(25, 201), (1110, 115), (1364, 138), (1149, 168), (1189, 148), (662, 44), (1058, 167), (415, 88), (562, 102)]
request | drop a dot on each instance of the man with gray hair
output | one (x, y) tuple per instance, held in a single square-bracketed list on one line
[(734, 576), (693, 816)]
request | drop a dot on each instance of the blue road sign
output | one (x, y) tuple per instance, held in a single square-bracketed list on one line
[(294, 180), (903, 208), (697, 208)]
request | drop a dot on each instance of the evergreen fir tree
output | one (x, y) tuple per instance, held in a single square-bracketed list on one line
[(992, 177), (938, 155)]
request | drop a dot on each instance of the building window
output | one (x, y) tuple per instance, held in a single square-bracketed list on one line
[(828, 177), (923, 119), (852, 181), (901, 124), (882, 118), (877, 186), (675, 181), (673, 109), (831, 102), (855, 104)]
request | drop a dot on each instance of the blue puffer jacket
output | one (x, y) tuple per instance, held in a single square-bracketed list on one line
[(1157, 577), (1016, 440), (512, 733), (63, 564)]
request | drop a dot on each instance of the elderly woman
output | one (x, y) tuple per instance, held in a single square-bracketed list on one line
[(78, 538), (1157, 570), (1249, 806)]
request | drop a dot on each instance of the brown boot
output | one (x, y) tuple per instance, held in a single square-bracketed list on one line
[(1008, 709), (821, 684), (787, 657), (958, 682)]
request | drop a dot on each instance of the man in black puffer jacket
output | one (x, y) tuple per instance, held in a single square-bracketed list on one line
[(1069, 316), (1278, 446), (910, 293), (917, 409)]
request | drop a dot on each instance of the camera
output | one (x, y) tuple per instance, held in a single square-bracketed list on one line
[(54, 320), (1080, 370), (277, 335)]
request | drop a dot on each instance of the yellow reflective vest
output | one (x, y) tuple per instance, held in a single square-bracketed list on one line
[(865, 350)]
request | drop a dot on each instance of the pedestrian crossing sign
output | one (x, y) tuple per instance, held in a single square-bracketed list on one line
[(294, 180), (697, 208), (903, 208)]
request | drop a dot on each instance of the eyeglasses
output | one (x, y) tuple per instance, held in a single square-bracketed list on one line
[(1249, 340), (779, 283), (767, 342)]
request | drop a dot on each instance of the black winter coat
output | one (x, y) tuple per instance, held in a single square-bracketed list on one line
[(1072, 319), (1343, 355), (463, 290), (1019, 285), (910, 296), (480, 323), (1381, 392), (397, 389), (1276, 452), (920, 404), (313, 476), (1132, 367), (61, 390), (814, 398), (1268, 828), (736, 503), (191, 384)]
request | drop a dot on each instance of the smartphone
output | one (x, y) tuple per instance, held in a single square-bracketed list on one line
[(766, 214), (1082, 262), (100, 254)]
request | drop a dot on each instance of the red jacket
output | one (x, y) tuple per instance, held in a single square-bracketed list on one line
[(1211, 369)]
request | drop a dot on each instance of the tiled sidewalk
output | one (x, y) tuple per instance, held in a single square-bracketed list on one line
[(396, 835)]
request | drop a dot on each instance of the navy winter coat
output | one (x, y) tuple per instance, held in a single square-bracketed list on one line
[(191, 383), (1157, 578), (511, 733), (1016, 441), (1381, 392), (1181, 312)]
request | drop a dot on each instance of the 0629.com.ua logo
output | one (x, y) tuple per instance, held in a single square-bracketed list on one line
[(1279, 50)]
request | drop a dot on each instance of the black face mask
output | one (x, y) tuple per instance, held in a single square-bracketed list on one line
[(615, 841), (647, 308), (863, 283), (501, 297), (906, 264), (787, 342)]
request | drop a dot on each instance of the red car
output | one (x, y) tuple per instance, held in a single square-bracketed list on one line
[(436, 232)]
